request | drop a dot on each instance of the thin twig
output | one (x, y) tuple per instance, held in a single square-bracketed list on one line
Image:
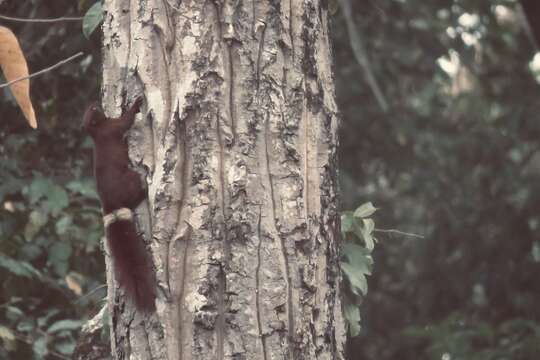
[(59, 19), (397, 232), (60, 63), (522, 17), (360, 54), (91, 292)]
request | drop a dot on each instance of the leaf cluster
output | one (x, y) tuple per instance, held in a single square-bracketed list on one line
[(357, 231)]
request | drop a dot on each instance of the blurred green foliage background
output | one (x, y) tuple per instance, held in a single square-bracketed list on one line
[(51, 264), (455, 159)]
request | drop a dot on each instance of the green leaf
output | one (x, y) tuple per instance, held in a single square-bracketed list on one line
[(40, 347), (352, 251), (66, 324), (347, 220), (39, 188), (63, 225), (36, 221), (13, 312), (352, 315), (19, 268), (367, 232), (369, 226), (60, 251), (365, 210), (26, 325), (9, 186), (66, 347), (364, 231), (92, 18), (30, 251), (43, 320), (358, 257), (535, 252), (356, 278), (86, 187), (59, 254), (57, 200)]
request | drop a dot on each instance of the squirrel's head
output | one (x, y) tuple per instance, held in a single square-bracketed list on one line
[(93, 119)]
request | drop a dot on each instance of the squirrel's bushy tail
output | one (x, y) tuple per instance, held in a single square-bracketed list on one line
[(132, 264)]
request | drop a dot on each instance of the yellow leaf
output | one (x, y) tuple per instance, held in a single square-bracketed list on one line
[(14, 66), (74, 284), (8, 338), (6, 333)]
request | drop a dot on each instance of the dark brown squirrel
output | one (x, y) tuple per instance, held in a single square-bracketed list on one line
[(120, 187)]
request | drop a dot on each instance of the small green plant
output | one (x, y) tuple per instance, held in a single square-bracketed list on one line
[(357, 229), (92, 19)]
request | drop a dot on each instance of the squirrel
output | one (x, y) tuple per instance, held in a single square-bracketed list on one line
[(120, 190)]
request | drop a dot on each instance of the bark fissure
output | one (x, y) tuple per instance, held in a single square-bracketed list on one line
[(253, 16), (164, 55), (182, 138), (147, 350), (258, 287), (228, 39), (222, 276), (221, 314), (128, 347), (291, 28), (259, 54), (277, 233), (231, 79), (181, 295), (171, 231), (307, 143), (128, 47)]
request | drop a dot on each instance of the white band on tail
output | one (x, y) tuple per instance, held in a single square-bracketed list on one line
[(116, 215)]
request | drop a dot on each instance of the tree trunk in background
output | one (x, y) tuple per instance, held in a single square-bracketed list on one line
[(237, 143)]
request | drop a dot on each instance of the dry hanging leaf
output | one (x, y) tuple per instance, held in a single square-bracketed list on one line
[(14, 66), (74, 283)]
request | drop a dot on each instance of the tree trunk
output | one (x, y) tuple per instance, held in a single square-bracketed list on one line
[(237, 143)]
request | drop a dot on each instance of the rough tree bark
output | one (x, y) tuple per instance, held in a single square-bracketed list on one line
[(237, 143)]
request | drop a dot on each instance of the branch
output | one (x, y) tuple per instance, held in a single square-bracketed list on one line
[(360, 55), (91, 292), (17, 19), (58, 64), (397, 232), (528, 11)]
